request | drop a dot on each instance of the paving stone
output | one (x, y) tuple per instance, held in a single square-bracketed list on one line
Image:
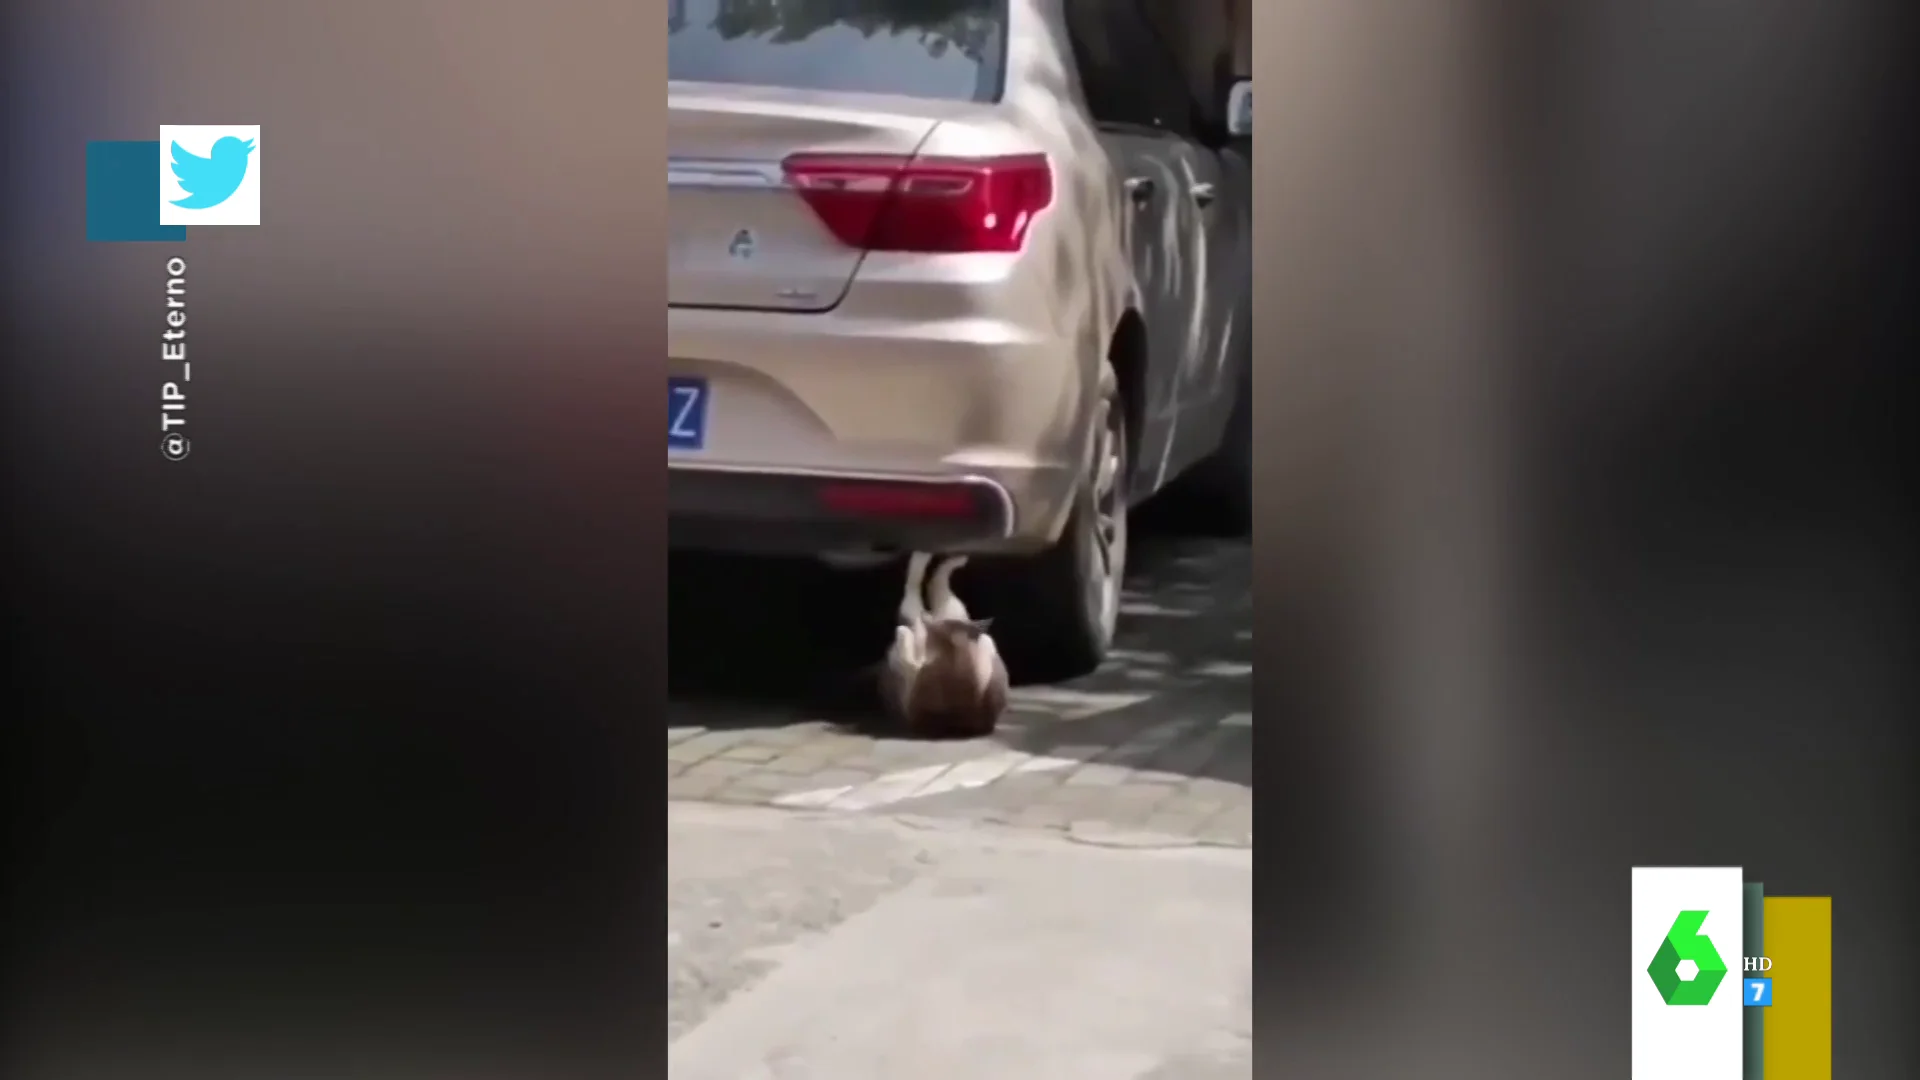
[(802, 762), (1230, 826), (720, 767), (1040, 815), (751, 790), (790, 735), (1125, 807), (1212, 788), (1189, 756), (1174, 822), (704, 745), (840, 776), (1098, 776), (694, 787)]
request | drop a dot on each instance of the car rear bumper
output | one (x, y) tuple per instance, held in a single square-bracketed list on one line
[(772, 512), (801, 403)]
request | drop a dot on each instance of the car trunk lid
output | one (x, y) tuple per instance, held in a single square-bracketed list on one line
[(742, 234)]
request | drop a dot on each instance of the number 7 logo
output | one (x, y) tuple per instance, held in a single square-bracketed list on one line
[(1759, 993)]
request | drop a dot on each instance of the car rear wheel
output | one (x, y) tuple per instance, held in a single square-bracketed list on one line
[(1060, 608)]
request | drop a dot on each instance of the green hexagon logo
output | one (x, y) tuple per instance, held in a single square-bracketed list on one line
[(1685, 943)]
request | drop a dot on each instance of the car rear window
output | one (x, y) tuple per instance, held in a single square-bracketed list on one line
[(948, 49)]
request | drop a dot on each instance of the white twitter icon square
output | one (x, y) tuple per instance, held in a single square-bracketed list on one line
[(209, 174)]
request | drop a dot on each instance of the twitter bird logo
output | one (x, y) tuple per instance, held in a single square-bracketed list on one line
[(220, 188), (212, 180)]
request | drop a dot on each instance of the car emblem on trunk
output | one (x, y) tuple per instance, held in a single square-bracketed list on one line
[(742, 245)]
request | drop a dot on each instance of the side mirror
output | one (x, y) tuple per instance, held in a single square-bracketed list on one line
[(1240, 109)]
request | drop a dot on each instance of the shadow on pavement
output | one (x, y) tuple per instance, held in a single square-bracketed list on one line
[(769, 644)]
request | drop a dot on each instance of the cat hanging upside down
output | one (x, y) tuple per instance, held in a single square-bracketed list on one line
[(943, 676)]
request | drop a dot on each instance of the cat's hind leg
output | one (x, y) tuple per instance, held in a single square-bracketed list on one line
[(913, 602)]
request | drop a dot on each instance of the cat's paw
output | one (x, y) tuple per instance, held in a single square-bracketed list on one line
[(908, 651)]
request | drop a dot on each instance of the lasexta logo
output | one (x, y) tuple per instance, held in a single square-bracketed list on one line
[(1686, 946)]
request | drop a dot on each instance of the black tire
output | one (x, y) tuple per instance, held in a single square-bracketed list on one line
[(1221, 488), (1058, 609)]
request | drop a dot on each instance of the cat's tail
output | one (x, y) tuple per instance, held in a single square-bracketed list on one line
[(940, 599)]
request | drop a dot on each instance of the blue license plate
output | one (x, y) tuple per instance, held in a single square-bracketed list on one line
[(687, 413)]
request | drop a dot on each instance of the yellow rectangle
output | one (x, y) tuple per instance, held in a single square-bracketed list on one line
[(1799, 1024)]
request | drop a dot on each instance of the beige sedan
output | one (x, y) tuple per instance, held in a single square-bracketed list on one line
[(950, 284)]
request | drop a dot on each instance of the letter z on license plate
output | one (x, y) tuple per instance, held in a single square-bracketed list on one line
[(687, 413)]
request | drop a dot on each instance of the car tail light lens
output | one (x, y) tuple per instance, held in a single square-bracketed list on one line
[(926, 205)]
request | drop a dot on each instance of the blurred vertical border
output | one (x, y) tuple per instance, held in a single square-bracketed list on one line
[(327, 742), (1580, 540)]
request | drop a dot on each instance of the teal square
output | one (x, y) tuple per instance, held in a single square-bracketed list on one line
[(1756, 993), (123, 194)]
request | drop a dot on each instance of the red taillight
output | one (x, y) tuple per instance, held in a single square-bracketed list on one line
[(899, 500), (926, 205)]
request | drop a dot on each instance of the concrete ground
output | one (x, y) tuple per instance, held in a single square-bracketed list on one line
[(1068, 898), (855, 947)]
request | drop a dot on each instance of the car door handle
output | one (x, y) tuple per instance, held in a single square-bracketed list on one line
[(1202, 193), (1140, 189)]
